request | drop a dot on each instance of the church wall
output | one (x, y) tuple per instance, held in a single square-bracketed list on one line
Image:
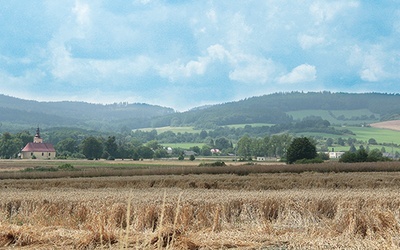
[(38, 155)]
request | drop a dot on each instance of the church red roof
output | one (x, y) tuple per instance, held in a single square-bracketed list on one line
[(38, 147)]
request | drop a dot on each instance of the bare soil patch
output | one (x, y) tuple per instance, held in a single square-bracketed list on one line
[(393, 125)]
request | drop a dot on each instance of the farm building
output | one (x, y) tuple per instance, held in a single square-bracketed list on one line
[(335, 155), (37, 149)]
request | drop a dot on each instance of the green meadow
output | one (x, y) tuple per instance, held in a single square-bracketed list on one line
[(253, 125), (325, 114), (184, 145), (173, 129), (363, 134)]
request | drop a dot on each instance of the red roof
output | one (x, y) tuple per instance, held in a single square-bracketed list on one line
[(38, 147)]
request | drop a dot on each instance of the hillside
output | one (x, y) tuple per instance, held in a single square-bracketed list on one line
[(17, 114), (279, 108)]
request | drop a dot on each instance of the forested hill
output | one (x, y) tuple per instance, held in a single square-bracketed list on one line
[(16, 114), (274, 108)]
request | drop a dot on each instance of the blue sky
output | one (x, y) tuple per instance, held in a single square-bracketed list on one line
[(183, 54)]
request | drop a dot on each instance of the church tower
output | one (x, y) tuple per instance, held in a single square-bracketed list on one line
[(37, 138)]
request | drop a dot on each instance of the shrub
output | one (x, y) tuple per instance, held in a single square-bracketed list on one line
[(213, 164), (78, 156), (66, 167), (361, 155)]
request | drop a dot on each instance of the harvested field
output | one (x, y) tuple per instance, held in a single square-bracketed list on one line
[(393, 125), (305, 210)]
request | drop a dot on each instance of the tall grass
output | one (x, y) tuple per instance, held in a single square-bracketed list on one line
[(276, 181), (147, 170)]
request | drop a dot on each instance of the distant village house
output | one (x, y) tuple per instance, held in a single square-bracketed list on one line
[(37, 149), (335, 155)]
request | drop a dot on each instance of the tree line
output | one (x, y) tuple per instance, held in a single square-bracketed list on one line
[(144, 145)]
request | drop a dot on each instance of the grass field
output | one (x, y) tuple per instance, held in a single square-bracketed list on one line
[(380, 135), (297, 209), (173, 129), (324, 114), (252, 124), (184, 145)]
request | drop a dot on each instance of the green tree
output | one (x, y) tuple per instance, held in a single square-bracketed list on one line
[(375, 155), (222, 143), (258, 147), (25, 137), (9, 146), (361, 155), (67, 145), (203, 134), (206, 150), (244, 147), (160, 153), (111, 147), (340, 141), (301, 148), (153, 144), (92, 148), (329, 142), (145, 152), (348, 157)]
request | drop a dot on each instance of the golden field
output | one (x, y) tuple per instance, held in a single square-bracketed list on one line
[(301, 210)]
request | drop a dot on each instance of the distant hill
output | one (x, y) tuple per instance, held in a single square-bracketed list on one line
[(279, 108), (17, 114)]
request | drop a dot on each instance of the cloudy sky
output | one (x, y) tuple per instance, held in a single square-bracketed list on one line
[(182, 54)]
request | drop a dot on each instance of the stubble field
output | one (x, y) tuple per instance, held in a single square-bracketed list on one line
[(270, 210)]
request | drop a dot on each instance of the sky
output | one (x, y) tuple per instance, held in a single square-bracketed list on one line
[(184, 54)]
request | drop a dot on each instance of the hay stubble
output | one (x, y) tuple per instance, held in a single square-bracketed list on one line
[(310, 213)]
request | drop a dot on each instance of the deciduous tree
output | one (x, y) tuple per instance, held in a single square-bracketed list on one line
[(92, 148), (301, 148)]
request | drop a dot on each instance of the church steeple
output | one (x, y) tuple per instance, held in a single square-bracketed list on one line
[(37, 138)]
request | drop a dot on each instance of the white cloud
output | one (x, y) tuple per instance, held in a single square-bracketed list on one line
[(177, 69), (142, 44), (143, 1), (81, 71), (82, 13), (251, 69), (212, 15), (325, 11), (372, 70), (245, 68), (307, 41), (218, 51), (61, 62), (302, 73), (371, 62)]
